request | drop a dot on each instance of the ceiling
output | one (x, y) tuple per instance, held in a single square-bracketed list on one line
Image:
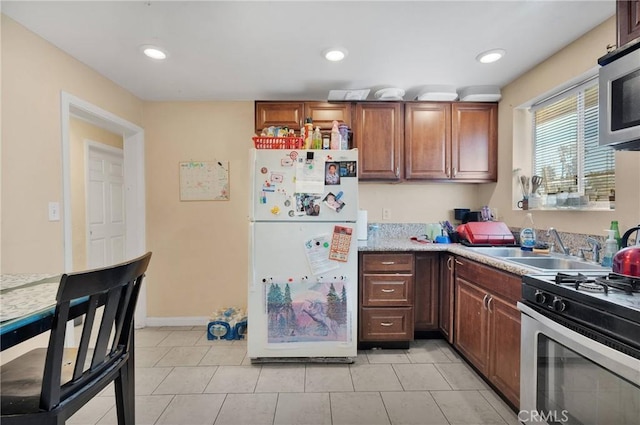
[(266, 50)]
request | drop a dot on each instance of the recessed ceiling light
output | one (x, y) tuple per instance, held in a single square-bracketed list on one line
[(154, 52), (335, 55), (490, 56)]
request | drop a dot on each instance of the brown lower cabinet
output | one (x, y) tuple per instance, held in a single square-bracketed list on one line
[(472, 304), (426, 292), (386, 297), (446, 296), (487, 323)]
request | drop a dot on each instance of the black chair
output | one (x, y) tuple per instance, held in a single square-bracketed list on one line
[(48, 385)]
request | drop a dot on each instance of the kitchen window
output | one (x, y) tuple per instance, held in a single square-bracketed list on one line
[(577, 172)]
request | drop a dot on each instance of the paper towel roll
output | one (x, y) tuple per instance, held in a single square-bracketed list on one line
[(362, 225)]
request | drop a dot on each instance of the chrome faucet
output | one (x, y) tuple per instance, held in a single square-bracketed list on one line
[(554, 232), (594, 247)]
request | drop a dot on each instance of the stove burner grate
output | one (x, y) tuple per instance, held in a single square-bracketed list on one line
[(580, 281), (625, 283)]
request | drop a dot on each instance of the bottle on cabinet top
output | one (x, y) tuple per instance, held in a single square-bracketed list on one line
[(335, 137), (317, 139), (344, 136)]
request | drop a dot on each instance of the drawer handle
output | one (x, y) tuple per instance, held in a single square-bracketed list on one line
[(386, 324), (388, 263), (388, 291)]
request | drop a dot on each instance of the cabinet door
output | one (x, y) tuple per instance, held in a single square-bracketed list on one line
[(279, 114), (446, 296), (504, 348), (471, 323), (378, 135), (427, 128), (474, 141), (323, 113), (628, 20), (425, 303)]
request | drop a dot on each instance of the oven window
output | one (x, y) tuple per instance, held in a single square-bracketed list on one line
[(625, 98), (571, 389)]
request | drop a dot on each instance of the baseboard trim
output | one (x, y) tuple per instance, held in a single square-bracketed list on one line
[(177, 321)]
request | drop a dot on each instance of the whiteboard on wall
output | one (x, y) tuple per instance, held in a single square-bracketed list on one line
[(204, 181)]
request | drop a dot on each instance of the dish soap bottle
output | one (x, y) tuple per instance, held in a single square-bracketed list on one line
[(616, 233), (335, 136), (610, 249), (527, 234), (317, 139)]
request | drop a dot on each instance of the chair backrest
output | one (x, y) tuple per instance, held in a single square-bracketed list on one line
[(115, 289)]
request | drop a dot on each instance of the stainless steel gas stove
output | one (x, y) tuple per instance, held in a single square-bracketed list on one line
[(580, 345)]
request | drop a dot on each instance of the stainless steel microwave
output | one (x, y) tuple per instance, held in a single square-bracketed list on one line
[(619, 102)]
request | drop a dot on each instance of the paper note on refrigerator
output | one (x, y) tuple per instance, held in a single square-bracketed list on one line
[(310, 176), (317, 251), (340, 243)]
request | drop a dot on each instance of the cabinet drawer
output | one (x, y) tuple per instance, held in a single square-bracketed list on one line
[(380, 290), (386, 324), (492, 280), (387, 263)]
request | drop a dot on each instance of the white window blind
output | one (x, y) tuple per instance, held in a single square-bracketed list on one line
[(566, 150)]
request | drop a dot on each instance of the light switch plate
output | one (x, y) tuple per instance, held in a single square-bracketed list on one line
[(54, 211)]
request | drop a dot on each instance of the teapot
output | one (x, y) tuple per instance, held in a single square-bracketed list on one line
[(627, 260), (624, 241)]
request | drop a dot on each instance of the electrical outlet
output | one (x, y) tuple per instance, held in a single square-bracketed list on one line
[(386, 214)]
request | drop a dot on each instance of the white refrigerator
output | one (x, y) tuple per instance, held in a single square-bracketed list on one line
[(303, 255)]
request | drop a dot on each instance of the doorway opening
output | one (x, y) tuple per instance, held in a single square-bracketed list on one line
[(134, 183)]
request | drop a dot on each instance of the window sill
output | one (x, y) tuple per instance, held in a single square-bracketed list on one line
[(594, 206)]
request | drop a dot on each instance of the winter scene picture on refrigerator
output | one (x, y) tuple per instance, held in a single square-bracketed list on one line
[(306, 313)]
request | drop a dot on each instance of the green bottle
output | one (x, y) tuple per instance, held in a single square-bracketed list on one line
[(317, 139), (616, 233)]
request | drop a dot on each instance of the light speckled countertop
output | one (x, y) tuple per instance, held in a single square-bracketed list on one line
[(405, 244)]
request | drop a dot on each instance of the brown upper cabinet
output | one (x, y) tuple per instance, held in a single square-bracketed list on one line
[(441, 141), (378, 135), (427, 140), (293, 114), (628, 21), (451, 141), (474, 142), (324, 114)]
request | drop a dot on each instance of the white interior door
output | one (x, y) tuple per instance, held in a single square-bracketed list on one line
[(106, 225)]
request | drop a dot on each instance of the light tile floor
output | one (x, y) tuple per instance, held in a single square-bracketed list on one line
[(183, 378)]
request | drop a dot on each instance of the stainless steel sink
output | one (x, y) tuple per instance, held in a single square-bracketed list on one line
[(555, 263), (503, 252)]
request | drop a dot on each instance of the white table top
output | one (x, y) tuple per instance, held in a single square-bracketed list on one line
[(22, 294)]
